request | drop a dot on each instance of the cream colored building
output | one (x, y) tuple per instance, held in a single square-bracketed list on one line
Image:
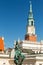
[(32, 49), (5, 59)]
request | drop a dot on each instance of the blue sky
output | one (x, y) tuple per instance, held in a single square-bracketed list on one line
[(13, 19)]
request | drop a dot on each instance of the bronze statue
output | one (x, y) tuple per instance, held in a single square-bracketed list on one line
[(19, 57)]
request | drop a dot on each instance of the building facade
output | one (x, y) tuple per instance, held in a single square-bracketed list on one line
[(31, 48)]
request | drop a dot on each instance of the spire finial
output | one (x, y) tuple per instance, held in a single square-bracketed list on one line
[(30, 6), (30, 1)]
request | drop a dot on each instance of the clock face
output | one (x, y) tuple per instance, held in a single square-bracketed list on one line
[(31, 30)]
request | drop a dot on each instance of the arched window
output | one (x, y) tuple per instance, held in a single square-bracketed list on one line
[(3, 63), (32, 23)]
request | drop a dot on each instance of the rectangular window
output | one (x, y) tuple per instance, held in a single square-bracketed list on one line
[(30, 64), (40, 64)]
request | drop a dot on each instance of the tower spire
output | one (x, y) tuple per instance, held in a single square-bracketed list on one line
[(30, 6), (30, 11), (30, 29)]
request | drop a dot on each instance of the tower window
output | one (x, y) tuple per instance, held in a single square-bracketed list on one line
[(40, 64), (32, 23)]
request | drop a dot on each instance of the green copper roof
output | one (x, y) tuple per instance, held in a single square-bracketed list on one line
[(30, 16), (30, 12), (30, 6)]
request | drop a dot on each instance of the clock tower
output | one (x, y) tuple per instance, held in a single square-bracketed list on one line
[(30, 29)]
